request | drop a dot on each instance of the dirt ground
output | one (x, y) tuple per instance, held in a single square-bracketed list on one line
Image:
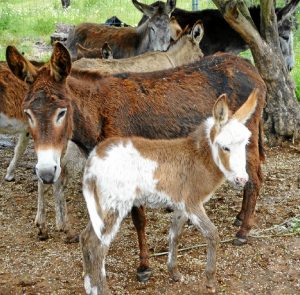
[(268, 264)]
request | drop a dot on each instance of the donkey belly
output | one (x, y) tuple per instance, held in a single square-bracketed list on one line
[(11, 125)]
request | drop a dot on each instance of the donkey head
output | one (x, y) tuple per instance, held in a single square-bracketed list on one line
[(286, 24), (228, 137), (46, 106), (158, 24)]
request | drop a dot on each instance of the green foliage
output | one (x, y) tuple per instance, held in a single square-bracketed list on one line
[(295, 225)]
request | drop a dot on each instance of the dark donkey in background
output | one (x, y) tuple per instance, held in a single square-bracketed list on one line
[(85, 107), (153, 35), (219, 36)]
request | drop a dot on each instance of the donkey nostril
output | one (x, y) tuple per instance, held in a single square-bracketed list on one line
[(55, 167)]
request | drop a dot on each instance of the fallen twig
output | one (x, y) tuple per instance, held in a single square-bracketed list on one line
[(190, 248)]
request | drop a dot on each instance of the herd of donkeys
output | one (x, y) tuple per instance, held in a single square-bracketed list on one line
[(163, 112)]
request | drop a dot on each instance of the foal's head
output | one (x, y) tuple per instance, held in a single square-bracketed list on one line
[(47, 107), (228, 136)]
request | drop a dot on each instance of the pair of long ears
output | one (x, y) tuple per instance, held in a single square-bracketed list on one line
[(150, 10), (60, 64), (243, 114)]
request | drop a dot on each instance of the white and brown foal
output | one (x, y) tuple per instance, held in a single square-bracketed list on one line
[(182, 173)]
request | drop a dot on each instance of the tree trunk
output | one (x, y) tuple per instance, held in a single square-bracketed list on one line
[(282, 111), (65, 3)]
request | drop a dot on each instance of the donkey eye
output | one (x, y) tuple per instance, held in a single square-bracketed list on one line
[(226, 149), (61, 115), (29, 117)]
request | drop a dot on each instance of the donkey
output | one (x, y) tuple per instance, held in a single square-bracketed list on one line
[(152, 35), (219, 36), (86, 107), (183, 173), (12, 118), (185, 50), (13, 121), (105, 52)]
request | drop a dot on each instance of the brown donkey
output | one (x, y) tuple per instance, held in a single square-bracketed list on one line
[(86, 107), (185, 50), (183, 173), (153, 35)]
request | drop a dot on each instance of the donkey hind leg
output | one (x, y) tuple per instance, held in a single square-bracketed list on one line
[(40, 219), (18, 152), (139, 221), (251, 192), (179, 219), (94, 251), (210, 232), (93, 262)]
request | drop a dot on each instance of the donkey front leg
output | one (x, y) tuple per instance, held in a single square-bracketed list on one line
[(18, 152), (139, 221), (62, 221), (210, 232), (93, 262), (40, 219), (179, 219)]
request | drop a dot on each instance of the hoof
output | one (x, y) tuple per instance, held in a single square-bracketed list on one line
[(239, 241), (73, 239), (177, 277), (43, 236), (237, 222), (210, 290), (9, 178), (144, 275)]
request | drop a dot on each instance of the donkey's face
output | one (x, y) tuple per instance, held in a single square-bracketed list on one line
[(47, 108), (228, 138), (286, 42), (158, 24)]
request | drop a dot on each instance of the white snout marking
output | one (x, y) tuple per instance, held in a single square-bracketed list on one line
[(48, 161)]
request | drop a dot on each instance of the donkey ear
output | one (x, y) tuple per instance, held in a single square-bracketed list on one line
[(197, 32), (247, 109), (286, 11), (19, 65), (220, 110), (60, 62), (148, 10), (106, 51), (170, 6)]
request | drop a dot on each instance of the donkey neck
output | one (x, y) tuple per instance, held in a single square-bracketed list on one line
[(87, 122)]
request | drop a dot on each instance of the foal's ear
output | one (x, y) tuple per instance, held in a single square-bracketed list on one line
[(106, 51), (19, 65), (220, 110), (248, 108), (60, 62), (148, 10), (197, 32)]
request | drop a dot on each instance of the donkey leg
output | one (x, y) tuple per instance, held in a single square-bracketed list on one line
[(93, 262), (210, 232), (251, 193), (18, 152), (40, 219), (62, 220), (139, 221), (178, 221), (240, 217)]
